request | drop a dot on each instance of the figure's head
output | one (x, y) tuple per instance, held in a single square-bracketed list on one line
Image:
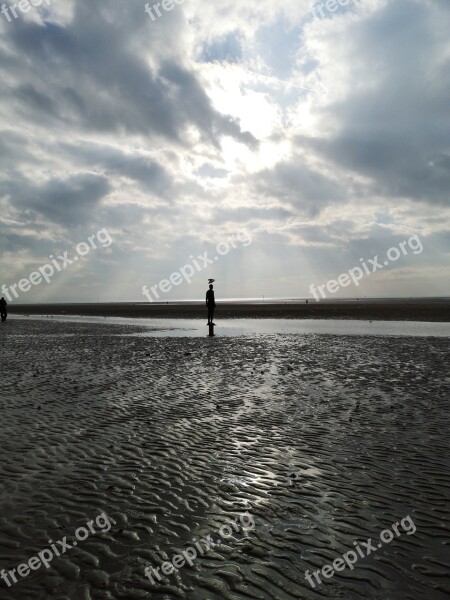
[(211, 286)]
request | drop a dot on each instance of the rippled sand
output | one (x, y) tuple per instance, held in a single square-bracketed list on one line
[(323, 439)]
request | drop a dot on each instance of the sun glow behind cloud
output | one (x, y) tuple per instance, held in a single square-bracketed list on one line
[(327, 138)]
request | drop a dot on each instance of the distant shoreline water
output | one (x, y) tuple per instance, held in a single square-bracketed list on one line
[(194, 328)]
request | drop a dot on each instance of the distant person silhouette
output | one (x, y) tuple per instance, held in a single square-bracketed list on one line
[(211, 304), (3, 310)]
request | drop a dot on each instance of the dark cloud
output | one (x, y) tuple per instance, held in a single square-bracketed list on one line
[(99, 82), (112, 161), (299, 187), (68, 202), (398, 168), (394, 126)]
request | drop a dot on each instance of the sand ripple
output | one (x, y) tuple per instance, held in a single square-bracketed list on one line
[(324, 439)]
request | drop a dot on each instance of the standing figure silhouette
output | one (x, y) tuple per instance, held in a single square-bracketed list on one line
[(3, 311), (211, 304)]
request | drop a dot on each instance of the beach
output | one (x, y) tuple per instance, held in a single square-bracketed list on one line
[(324, 440), (225, 300)]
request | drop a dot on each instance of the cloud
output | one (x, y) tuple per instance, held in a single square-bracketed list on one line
[(392, 124), (327, 138), (99, 82), (113, 161), (301, 188), (67, 202)]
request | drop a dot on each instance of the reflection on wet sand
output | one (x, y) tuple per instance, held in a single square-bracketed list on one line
[(325, 439)]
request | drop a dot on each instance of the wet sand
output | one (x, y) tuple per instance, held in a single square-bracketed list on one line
[(323, 439), (394, 310)]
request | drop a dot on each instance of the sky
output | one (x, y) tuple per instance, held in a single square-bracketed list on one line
[(272, 146)]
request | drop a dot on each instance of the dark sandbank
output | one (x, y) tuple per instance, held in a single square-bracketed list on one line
[(386, 310)]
